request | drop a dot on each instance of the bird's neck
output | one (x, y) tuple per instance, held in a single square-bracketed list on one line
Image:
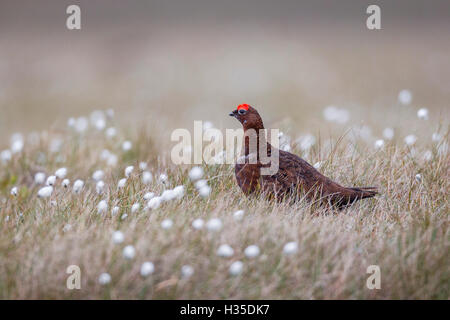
[(255, 137)]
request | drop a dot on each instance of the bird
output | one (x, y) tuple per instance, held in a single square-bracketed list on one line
[(295, 177)]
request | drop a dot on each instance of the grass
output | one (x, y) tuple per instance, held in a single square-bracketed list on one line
[(404, 230)]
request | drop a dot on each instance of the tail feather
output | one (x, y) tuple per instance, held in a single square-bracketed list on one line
[(363, 192)]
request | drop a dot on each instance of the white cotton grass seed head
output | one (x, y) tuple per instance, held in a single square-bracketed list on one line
[(198, 224), (129, 171), (129, 252), (405, 97), (121, 183), (422, 114), (379, 144), (127, 145), (196, 173), (200, 183), (238, 215), (410, 139), (142, 165), (436, 137), (179, 192), (149, 195), (251, 251), (154, 203), (104, 279), (168, 195), (102, 206), (98, 175), (290, 248), (115, 210), (214, 224), (317, 165), (147, 268), (61, 173), (111, 132), (135, 207), (163, 178), (6, 156), (14, 191), (78, 186), (388, 133), (428, 155), (147, 177), (65, 183), (118, 237), (51, 180), (225, 251), (205, 191), (112, 160), (124, 216), (45, 192), (236, 268), (99, 187), (39, 178), (187, 271), (418, 177), (166, 224)]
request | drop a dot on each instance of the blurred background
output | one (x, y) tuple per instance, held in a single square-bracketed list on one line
[(168, 63)]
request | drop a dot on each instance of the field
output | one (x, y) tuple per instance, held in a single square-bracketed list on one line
[(155, 89)]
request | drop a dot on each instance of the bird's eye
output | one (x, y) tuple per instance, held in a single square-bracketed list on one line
[(241, 111)]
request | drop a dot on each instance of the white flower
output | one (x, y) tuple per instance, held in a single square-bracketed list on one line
[(39, 178), (147, 269), (115, 210), (422, 114), (214, 224), (198, 224), (388, 133), (251, 251), (45, 192), (238, 215), (98, 175), (154, 203), (405, 97), (128, 171), (306, 142), (428, 155), (104, 279), (167, 224), (196, 173), (148, 196), (334, 114), (205, 191), (17, 144), (112, 160), (135, 207), (163, 178), (124, 216), (51, 180), (78, 185), (436, 137), (65, 183), (419, 177), (102, 206), (317, 165), (61, 173), (142, 165), (225, 251), (379, 144), (179, 192), (129, 252), (110, 113), (410, 139), (121, 183), (67, 227), (111, 132), (147, 177), (118, 237), (290, 248), (126, 146), (6, 156), (99, 186), (105, 154), (168, 195), (81, 124), (14, 191), (71, 122), (236, 268), (187, 271), (201, 183)]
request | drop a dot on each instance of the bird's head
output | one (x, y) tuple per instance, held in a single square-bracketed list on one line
[(248, 117)]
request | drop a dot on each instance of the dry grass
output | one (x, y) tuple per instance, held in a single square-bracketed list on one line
[(404, 230)]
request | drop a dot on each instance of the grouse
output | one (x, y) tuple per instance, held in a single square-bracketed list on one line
[(294, 178)]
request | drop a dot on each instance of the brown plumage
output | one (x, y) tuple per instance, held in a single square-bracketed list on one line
[(295, 177)]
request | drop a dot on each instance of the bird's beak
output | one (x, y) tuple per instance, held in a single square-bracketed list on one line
[(233, 113)]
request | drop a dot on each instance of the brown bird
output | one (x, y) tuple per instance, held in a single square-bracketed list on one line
[(295, 177)]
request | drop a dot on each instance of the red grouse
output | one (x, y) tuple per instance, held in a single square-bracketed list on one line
[(295, 177)]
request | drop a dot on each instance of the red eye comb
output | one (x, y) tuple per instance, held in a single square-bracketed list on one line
[(243, 106)]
